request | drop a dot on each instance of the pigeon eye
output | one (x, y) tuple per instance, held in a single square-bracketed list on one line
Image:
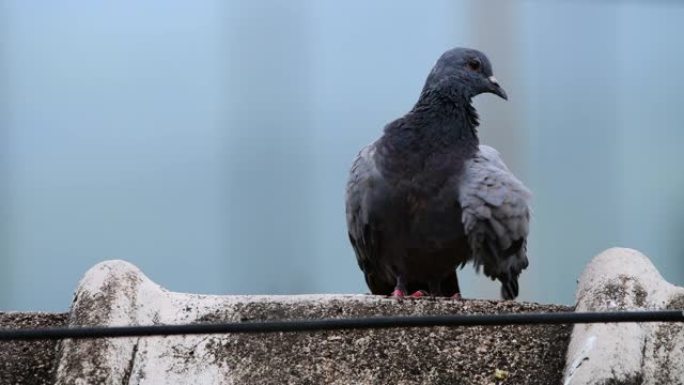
[(474, 64)]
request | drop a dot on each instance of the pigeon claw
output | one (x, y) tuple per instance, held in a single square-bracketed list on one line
[(419, 294), (398, 294), (457, 297)]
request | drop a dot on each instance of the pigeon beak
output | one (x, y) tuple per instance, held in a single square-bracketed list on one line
[(496, 89)]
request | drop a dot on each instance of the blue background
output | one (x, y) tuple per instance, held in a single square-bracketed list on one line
[(209, 142)]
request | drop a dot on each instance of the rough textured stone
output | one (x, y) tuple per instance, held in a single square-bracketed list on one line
[(628, 353), (25, 363), (117, 293)]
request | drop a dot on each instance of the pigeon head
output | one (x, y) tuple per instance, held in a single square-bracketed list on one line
[(463, 72)]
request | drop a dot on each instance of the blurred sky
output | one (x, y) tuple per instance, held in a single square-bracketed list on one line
[(209, 142)]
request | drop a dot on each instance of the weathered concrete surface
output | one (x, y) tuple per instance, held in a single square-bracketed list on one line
[(25, 363), (117, 293), (648, 353)]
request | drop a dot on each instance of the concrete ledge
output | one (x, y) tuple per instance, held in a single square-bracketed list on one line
[(29, 362), (117, 293), (631, 353)]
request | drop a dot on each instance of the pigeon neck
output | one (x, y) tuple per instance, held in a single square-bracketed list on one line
[(451, 117)]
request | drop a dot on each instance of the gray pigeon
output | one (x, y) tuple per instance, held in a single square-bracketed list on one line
[(426, 197)]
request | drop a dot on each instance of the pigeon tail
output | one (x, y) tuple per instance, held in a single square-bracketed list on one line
[(509, 288)]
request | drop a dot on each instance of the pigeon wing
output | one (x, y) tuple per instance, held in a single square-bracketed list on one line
[(496, 217), (364, 185)]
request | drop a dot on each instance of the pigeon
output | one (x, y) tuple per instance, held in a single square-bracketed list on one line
[(426, 198)]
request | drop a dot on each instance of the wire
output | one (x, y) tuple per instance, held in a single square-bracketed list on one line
[(58, 333)]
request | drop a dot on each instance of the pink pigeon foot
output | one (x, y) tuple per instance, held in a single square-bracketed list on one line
[(419, 294), (457, 297)]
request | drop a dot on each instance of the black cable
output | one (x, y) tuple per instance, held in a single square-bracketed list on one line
[(342, 323)]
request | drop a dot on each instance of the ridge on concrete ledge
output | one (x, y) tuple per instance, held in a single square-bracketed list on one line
[(629, 353), (117, 293)]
